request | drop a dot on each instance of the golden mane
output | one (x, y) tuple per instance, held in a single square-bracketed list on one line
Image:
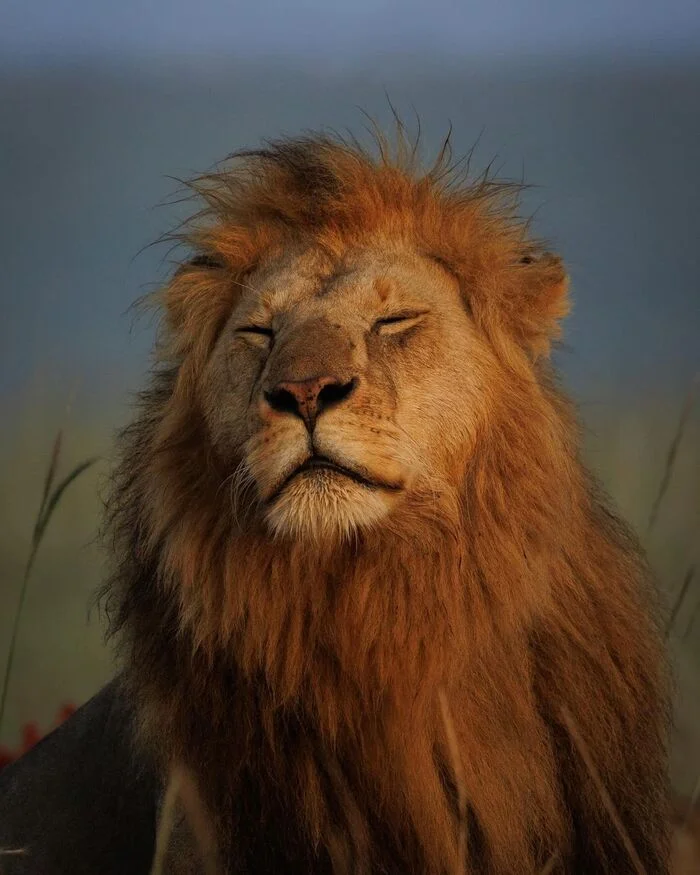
[(301, 686)]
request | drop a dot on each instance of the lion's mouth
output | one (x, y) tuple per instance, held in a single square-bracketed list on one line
[(323, 463)]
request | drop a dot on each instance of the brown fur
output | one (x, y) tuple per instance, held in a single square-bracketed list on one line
[(290, 651)]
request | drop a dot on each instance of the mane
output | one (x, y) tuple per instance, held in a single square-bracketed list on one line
[(271, 668)]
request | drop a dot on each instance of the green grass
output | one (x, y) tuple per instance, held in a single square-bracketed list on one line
[(57, 650), (50, 499)]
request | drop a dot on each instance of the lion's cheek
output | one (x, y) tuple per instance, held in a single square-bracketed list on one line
[(225, 403), (271, 454)]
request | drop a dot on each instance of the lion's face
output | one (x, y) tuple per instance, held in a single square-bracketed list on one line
[(337, 392)]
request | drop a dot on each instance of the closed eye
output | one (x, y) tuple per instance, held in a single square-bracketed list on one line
[(257, 335), (398, 322), (256, 329)]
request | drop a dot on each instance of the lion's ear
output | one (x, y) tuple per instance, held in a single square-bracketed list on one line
[(542, 301)]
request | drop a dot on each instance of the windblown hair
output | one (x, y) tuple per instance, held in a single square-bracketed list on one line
[(301, 685)]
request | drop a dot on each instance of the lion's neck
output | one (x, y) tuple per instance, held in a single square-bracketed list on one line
[(317, 674), (376, 627), (337, 664)]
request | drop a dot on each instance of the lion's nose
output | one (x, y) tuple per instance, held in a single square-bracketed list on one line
[(307, 399)]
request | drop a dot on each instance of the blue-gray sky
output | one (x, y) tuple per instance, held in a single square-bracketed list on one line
[(594, 101), (344, 31)]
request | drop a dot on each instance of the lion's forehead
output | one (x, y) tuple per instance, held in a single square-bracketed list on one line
[(360, 282)]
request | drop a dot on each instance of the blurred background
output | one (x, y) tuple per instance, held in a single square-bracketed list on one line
[(103, 106)]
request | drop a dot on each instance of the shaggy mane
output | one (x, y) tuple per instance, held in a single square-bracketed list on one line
[(301, 687)]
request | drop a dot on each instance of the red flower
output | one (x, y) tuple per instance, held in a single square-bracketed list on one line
[(30, 736)]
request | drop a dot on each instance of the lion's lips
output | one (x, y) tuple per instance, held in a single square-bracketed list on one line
[(323, 463)]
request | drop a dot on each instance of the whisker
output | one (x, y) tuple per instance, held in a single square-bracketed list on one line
[(241, 484)]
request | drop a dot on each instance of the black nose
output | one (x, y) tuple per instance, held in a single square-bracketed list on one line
[(307, 399)]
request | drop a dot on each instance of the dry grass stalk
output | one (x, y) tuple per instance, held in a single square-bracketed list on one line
[(11, 852), (693, 802), (182, 788), (672, 453), (49, 502), (689, 576), (680, 599), (199, 821), (460, 781), (585, 755), (548, 867), (166, 821)]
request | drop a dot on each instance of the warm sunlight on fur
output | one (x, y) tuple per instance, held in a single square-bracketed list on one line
[(353, 484), (380, 338)]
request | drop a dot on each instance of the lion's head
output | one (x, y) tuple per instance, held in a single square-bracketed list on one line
[(353, 325), (344, 387), (353, 484)]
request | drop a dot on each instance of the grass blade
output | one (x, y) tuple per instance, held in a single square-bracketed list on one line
[(678, 604), (672, 453), (58, 492), (605, 798), (183, 789), (49, 502), (460, 781), (548, 867), (166, 821), (48, 480)]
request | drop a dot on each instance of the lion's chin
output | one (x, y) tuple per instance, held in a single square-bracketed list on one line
[(325, 507)]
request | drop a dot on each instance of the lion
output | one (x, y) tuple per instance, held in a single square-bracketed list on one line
[(367, 594)]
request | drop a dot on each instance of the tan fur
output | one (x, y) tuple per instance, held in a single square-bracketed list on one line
[(289, 646)]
